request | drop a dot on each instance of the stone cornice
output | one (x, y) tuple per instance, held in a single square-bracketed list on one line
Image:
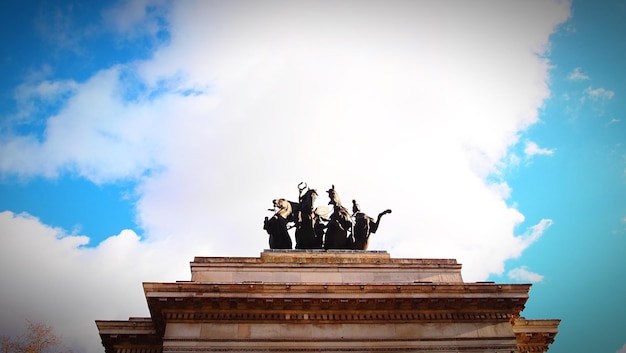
[(300, 302), (535, 335), (250, 288), (138, 333)]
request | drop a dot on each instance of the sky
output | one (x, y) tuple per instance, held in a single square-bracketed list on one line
[(135, 135)]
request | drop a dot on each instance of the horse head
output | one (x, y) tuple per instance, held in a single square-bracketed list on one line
[(283, 208)]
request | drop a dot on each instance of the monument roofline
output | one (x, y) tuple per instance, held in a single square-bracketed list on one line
[(324, 266), (352, 257)]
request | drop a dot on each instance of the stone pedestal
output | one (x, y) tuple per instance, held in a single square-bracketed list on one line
[(330, 301)]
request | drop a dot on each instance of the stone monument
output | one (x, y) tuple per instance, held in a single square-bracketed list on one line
[(317, 300), (328, 295)]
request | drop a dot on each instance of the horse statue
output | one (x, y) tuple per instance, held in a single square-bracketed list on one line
[(364, 226), (276, 226), (315, 229), (339, 228), (309, 222)]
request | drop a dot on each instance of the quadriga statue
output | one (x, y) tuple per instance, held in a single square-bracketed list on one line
[(314, 228)]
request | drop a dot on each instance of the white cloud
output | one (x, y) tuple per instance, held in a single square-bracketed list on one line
[(596, 99), (577, 75), (522, 274), (46, 91), (536, 231), (35, 97), (49, 276), (533, 149), (411, 106), (598, 93)]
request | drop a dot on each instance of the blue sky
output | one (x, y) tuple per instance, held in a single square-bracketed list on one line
[(136, 135), (581, 186)]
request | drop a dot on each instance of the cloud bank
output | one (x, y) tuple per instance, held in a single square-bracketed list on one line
[(413, 106)]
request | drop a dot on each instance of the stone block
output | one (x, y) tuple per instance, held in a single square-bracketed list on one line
[(183, 330), (219, 331)]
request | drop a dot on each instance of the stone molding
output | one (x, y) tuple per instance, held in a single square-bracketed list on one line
[(137, 335)]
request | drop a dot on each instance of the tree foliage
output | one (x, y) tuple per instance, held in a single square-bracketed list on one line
[(38, 338)]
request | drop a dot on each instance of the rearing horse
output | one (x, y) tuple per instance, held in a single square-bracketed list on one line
[(308, 222), (364, 225)]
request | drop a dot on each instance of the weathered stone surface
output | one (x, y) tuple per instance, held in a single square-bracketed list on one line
[(133, 335), (535, 335), (330, 301)]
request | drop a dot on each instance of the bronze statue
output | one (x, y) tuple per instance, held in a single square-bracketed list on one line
[(364, 225), (307, 223), (314, 229), (276, 226), (339, 228), (301, 215)]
